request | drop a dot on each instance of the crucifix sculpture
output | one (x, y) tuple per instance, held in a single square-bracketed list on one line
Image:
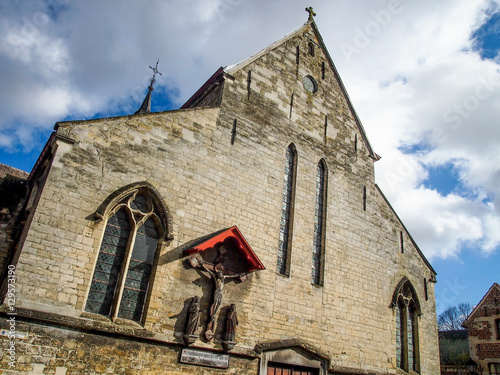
[(219, 274), (223, 255)]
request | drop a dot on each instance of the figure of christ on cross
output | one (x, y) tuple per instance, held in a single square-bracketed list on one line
[(219, 274)]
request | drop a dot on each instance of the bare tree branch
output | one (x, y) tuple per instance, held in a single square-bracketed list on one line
[(453, 317)]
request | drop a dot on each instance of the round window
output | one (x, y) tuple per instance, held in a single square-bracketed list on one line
[(310, 84)]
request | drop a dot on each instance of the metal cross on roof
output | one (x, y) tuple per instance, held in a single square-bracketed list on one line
[(146, 104), (155, 69), (155, 72), (311, 13)]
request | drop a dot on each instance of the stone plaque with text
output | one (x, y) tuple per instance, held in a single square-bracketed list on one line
[(202, 358)]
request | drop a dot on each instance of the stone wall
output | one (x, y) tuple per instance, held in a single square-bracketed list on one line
[(44, 349)]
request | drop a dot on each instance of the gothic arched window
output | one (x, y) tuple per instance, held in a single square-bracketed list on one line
[(407, 310), (286, 223), (122, 274), (310, 48), (319, 225)]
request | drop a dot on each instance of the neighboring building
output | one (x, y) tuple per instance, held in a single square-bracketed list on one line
[(241, 234), (483, 326)]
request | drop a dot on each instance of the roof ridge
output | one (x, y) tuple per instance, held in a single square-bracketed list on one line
[(474, 311), (232, 68)]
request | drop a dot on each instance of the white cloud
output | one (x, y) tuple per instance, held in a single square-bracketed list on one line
[(27, 45), (419, 83), (441, 225), (492, 240)]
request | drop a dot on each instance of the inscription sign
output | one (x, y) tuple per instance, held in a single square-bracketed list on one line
[(201, 358)]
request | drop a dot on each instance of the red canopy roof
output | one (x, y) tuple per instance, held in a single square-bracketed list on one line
[(234, 234)]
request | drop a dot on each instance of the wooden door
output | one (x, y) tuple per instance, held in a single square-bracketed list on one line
[(281, 369)]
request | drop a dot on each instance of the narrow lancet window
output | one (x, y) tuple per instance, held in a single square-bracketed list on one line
[(233, 132), (249, 82), (109, 261), (286, 223), (364, 198), (139, 271), (407, 310), (326, 127), (297, 55), (319, 225), (400, 334)]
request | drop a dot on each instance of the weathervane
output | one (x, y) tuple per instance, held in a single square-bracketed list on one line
[(146, 104), (311, 13)]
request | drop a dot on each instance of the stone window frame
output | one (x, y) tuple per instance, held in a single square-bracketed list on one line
[(292, 352), (318, 253), (492, 370), (287, 211), (120, 200), (406, 307)]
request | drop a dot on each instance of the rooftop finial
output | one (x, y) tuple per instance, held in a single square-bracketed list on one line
[(311, 13), (155, 72), (146, 104)]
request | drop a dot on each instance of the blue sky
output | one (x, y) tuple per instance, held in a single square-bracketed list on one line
[(424, 78)]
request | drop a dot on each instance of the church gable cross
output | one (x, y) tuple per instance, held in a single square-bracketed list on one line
[(311, 13)]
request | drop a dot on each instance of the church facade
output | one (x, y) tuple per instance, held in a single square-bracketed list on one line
[(241, 234)]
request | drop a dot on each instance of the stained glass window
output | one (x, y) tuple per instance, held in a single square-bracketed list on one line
[(129, 291), (409, 328), (140, 203), (286, 209), (109, 261), (412, 338), (139, 270), (317, 256), (400, 330)]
